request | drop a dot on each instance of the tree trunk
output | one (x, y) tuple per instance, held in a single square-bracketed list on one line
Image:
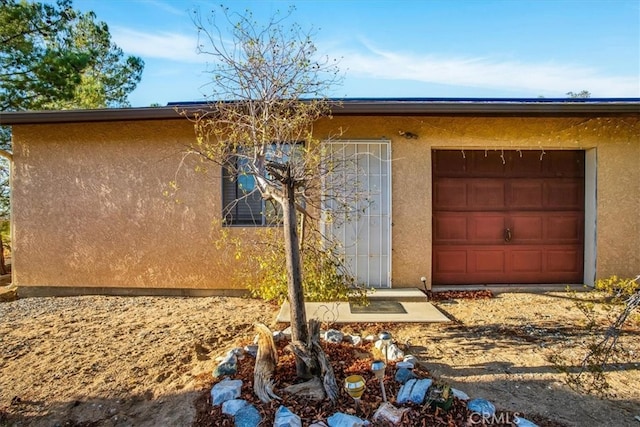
[(298, 315), (3, 266)]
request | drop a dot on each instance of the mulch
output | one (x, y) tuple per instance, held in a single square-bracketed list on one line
[(346, 360), (450, 295)]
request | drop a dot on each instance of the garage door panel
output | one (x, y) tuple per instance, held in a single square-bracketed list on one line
[(486, 163), (525, 194), (450, 194), (450, 227), (563, 163), (487, 261), (450, 162), (524, 162), (563, 194), (451, 261), (486, 194), (564, 260), (486, 228), (564, 228), (527, 228), (527, 261)]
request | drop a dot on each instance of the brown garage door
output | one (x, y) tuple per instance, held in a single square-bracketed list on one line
[(508, 217)]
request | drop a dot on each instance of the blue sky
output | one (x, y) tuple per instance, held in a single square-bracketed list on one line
[(430, 48)]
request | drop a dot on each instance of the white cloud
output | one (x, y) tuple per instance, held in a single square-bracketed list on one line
[(161, 45), (547, 79), (166, 7)]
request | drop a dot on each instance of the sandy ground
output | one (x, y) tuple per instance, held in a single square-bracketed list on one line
[(142, 361)]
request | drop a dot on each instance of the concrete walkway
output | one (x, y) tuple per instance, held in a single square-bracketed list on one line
[(412, 301)]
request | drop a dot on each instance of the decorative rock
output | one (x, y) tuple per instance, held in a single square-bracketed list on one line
[(312, 389), (393, 352), (410, 358), (287, 332), (333, 336), (237, 352), (248, 416), (230, 407), (251, 350), (481, 406), (403, 375), (228, 365), (459, 394), (521, 422), (387, 413), (225, 390), (355, 339), (226, 368), (405, 392), (319, 424), (370, 338), (414, 390), (285, 418), (343, 420), (419, 390), (404, 365), (277, 336)]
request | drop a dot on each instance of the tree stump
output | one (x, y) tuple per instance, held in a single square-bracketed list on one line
[(316, 360), (266, 362)]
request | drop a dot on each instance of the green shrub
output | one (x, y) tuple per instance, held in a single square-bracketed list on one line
[(323, 273)]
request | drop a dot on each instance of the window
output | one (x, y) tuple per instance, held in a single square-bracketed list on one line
[(242, 201)]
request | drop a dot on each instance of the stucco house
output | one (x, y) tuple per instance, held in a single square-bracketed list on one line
[(470, 192)]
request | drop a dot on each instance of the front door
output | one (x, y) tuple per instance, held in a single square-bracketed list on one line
[(358, 208), (508, 216)]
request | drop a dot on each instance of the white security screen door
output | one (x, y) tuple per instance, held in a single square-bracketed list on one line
[(357, 204)]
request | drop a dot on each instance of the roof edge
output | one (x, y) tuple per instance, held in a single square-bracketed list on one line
[(359, 106)]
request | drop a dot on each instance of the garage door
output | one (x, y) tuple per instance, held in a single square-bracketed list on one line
[(504, 217)]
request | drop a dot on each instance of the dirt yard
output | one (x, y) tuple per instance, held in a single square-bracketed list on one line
[(143, 361)]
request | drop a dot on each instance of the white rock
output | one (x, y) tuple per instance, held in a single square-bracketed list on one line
[(405, 365), (460, 394), (285, 418), (521, 422), (387, 413), (410, 358), (287, 332), (394, 353), (343, 420), (251, 350), (419, 390), (225, 390), (355, 339), (334, 336), (405, 391), (230, 407)]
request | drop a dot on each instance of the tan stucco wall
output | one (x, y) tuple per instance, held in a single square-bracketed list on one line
[(89, 208)]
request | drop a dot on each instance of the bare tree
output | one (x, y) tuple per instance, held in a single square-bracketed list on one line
[(268, 88)]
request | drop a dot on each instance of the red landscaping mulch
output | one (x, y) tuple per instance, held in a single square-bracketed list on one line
[(346, 360), (448, 295)]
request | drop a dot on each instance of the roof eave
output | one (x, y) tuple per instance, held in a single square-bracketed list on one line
[(360, 107)]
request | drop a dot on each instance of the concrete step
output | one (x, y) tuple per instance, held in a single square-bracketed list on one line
[(397, 294)]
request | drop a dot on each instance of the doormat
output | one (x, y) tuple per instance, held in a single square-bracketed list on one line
[(377, 306)]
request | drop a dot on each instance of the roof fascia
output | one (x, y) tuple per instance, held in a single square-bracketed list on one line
[(364, 107)]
